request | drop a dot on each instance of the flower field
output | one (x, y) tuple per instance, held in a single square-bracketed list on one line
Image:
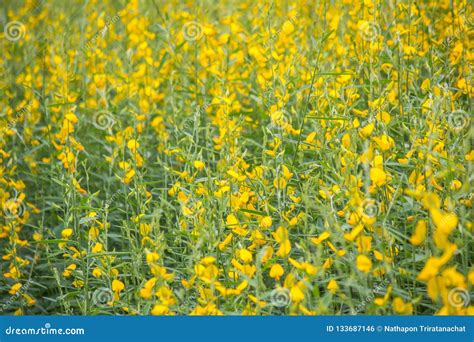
[(307, 157)]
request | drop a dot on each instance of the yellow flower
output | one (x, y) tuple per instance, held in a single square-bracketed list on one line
[(266, 222), (96, 272), (147, 291), (199, 165), (333, 286), (145, 229), (66, 233), (226, 241), (324, 235), (152, 257), (296, 294), (400, 307), (366, 131), (276, 271), (425, 85), (419, 234), (430, 270), (382, 301), (445, 222), (160, 309), (98, 247), (281, 236), (236, 176), (232, 220), (279, 183), (14, 288), (208, 260), (378, 176), (117, 287), (354, 232), (29, 300), (288, 27), (245, 255), (383, 116), (384, 142), (287, 174), (68, 271), (133, 145), (363, 263), (186, 211), (128, 176)]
